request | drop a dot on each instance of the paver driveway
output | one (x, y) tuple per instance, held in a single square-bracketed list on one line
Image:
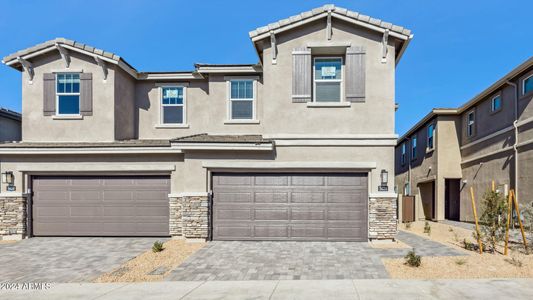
[(297, 260), (66, 259)]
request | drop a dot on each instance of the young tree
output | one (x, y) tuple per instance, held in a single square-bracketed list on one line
[(493, 219)]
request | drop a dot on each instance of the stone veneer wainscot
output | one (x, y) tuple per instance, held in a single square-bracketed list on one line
[(382, 220), (12, 217)]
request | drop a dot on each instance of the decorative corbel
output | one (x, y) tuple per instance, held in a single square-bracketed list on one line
[(384, 43), (103, 65), (27, 66), (273, 47), (64, 54), (329, 29)]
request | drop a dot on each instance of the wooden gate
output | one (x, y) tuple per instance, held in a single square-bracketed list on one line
[(408, 209)]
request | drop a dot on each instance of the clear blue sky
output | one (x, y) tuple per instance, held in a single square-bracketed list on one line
[(459, 49)]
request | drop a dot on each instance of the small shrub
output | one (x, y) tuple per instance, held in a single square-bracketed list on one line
[(460, 261), (427, 228), (456, 237), (408, 225), (413, 260), (450, 229), (469, 246), (158, 246), (515, 262), (492, 220)]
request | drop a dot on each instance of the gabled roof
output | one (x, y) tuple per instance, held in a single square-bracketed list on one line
[(336, 11)]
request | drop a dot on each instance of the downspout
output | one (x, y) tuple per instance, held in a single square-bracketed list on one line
[(515, 146)]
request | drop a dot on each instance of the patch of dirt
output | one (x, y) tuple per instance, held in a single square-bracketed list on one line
[(473, 265), (140, 267), (460, 267), (389, 245), (7, 241)]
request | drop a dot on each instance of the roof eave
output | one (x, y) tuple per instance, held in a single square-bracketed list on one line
[(433, 113)]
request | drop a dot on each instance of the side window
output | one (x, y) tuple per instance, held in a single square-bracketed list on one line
[(413, 147), (527, 85), (242, 99), (496, 103), (431, 134), (68, 94), (327, 79), (470, 123), (172, 105), (402, 157)]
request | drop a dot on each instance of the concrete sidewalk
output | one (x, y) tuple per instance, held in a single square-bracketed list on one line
[(287, 289)]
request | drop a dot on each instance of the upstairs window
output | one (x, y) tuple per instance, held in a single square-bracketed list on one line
[(402, 157), (413, 147), (68, 94), (431, 134), (327, 79), (173, 105), (470, 122), (527, 85), (242, 99), (496, 104)]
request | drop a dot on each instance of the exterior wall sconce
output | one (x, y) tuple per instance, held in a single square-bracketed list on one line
[(384, 181), (8, 178)]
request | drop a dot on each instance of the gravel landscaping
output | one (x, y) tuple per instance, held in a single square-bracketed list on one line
[(472, 265), (152, 266)]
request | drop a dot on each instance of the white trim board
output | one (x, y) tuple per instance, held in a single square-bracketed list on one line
[(94, 150), (290, 136), (235, 164), (188, 194), (223, 146), (362, 143), (94, 167)]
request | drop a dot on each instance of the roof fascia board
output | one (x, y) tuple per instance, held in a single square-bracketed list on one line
[(88, 150), (171, 76), (498, 84), (207, 70), (223, 146)]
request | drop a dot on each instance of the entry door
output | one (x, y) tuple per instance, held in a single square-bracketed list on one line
[(290, 206)]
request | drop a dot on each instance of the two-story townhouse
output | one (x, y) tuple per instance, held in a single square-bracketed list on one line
[(487, 139), (10, 125), (296, 147)]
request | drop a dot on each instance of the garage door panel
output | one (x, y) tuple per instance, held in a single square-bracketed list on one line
[(308, 232), (310, 207), (234, 180), (308, 214), (271, 231), (236, 197), (271, 214), (233, 214), (307, 180), (101, 206), (308, 197), (271, 180), (271, 197), (225, 232)]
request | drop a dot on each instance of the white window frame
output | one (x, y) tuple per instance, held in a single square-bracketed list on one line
[(524, 85), (492, 103), (470, 130), (161, 106), (432, 127), (414, 146), (67, 94), (229, 114), (341, 100), (403, 155)]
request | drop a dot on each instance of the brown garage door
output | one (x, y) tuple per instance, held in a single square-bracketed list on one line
[(294, 206), (101, 206)]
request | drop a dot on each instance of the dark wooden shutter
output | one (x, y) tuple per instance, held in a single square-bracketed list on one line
[(355, 74), (301, 75), (86, 94), (49, 94)]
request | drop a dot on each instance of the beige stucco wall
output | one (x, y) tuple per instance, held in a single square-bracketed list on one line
[(37, 127), (10, 130)]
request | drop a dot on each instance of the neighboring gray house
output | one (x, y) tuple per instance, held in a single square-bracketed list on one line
[(488, 138), (10, 127), (296, 147)]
